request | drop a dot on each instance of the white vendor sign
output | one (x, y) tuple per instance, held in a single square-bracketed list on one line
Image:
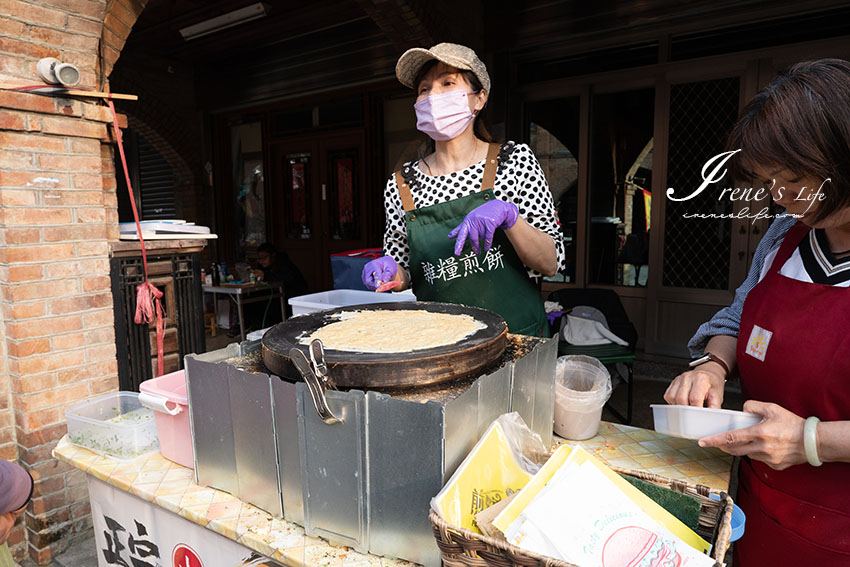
[(130, 532)]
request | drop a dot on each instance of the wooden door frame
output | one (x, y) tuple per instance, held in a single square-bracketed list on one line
[(582, 220), (319, 143), (223, 197), (657, 292), (339, 140)]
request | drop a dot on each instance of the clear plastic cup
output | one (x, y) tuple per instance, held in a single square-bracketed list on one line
[(582, 386)]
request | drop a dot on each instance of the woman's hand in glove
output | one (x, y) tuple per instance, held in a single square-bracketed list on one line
[(482, 222), (378, 271)]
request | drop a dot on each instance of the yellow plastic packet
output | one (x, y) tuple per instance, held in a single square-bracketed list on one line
[(500, 464)]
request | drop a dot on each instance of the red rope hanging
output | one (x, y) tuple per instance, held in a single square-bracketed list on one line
[(148, 297)]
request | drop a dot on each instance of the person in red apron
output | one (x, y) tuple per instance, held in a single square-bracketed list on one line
[(793, 343), (473, 222)]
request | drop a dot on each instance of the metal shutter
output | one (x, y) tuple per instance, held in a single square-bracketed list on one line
[(156, 184)]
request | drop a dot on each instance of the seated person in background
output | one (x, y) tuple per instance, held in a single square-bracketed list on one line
[(274, 266), (16, 486), (277, 267)]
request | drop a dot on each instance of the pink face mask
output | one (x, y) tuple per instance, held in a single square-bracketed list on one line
[(443, 116)]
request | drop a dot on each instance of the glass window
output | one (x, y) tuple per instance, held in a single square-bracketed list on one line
[(344, 214), (553, 132), (297, 195), (620, 187), (248, 187), (291, 121)]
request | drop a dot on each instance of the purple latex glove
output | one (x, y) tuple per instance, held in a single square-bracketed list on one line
[(553, 316), (378, 271), (482, 222)]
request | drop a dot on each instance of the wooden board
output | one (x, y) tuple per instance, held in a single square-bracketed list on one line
[(390, 370)]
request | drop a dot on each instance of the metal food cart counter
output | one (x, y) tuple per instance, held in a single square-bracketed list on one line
[(154, 483)]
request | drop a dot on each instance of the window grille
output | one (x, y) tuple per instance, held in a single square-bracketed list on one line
[(697, 250)]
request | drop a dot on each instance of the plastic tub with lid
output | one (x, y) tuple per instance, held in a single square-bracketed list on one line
[(113, 424), (344, 298), (167, 396), (582, 386)]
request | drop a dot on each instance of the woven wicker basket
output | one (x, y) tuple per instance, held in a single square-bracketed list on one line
[(460, 547)]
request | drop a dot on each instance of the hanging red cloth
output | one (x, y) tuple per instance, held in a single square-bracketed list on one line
[(148, 297)]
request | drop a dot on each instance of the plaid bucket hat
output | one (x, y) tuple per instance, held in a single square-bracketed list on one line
[(460, 56)]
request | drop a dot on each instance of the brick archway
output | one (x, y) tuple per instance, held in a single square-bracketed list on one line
[(118, 21)]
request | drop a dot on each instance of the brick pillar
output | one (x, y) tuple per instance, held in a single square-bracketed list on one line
[(58, 212)]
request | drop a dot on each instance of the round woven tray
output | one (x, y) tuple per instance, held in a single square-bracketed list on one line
[(460, 547)]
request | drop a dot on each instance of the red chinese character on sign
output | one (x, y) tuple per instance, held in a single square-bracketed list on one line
[(185, 556)]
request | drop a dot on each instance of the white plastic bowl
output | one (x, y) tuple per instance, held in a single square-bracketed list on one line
[(693, 422)]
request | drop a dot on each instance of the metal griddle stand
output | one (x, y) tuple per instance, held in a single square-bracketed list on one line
[(367, 480)]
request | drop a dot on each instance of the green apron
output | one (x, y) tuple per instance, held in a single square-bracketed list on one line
[(495, 280)]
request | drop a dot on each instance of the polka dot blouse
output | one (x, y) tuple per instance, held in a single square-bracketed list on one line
[(519, 181)]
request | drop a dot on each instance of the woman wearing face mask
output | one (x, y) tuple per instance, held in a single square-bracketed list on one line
[(472, 222)]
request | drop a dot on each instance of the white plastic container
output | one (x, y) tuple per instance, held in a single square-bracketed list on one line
[(582, 386), (692, 422), (344, 298), (166, 395), (114, 424)]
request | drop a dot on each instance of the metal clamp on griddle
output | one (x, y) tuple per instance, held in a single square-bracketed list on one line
[(315, 385), (317, 357)]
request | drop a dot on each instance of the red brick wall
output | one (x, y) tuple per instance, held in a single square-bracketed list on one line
[(69, 31), (58, 213)]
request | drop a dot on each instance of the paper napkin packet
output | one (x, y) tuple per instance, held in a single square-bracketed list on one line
[(574, 508), (579, 510)]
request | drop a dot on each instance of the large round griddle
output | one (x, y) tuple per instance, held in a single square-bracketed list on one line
[(349, 369)]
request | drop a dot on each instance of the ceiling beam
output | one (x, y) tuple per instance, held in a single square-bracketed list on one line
[(407, 23)]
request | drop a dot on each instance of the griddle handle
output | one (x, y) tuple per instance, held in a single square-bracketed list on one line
[(314, 385)]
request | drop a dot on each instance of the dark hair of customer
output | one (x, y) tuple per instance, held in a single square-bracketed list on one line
[(800, 122), (267, 248)]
